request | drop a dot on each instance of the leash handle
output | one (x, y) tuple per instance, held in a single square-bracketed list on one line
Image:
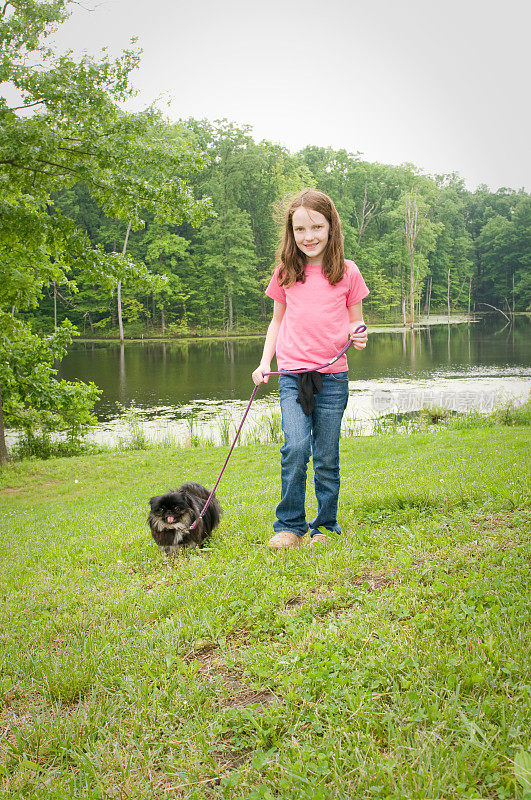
[(342, 352)]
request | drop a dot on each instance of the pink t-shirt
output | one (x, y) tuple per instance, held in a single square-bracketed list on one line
[(315, 325)]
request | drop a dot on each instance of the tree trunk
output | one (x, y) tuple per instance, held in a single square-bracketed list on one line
[(4, 458), (412, 226), (54, 306), (428, 297), (448, 296), (230, 325), (411, 289), (119, 290), (419, 292), (119, 309), (162, 321), (469, 293), (368, 210)]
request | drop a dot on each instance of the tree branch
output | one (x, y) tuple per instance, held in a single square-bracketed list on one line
[(29, 169), (38, 171), (39, 161), (78, 152), (30, 105), (495, 309)]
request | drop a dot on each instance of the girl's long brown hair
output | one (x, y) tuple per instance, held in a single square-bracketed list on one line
[(292, 268)]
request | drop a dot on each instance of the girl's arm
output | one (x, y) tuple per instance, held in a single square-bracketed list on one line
[(355, 318), (270, 344)]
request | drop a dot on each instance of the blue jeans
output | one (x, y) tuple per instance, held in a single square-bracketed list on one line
[(317, 434)]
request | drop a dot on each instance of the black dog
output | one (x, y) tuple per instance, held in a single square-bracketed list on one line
[(173, 513)]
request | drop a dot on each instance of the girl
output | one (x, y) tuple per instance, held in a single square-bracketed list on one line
[(317, 301)]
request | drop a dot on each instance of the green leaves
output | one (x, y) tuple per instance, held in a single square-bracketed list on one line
[(68, 128), (32, 397)]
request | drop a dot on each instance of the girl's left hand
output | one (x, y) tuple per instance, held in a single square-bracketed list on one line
[(359, 340)]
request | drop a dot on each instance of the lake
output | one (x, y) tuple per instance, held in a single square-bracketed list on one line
[(180, 388)]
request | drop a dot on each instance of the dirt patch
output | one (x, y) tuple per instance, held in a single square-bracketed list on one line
[(205, 655), (225, 760), (374, 581), (496, 522), (12, 490), (250, 697), (20, 713), (470, 551), (212, 667), (371, 581), (229, 757), (228, 676), (508, 545), (295, 602)]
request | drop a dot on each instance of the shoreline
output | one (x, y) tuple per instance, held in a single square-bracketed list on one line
[(379, 327), (395, 419)]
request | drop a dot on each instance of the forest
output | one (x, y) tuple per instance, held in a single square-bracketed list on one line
[(471, 249), (120, 224)]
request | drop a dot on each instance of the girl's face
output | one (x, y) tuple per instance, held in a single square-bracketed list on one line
[(311, 230)]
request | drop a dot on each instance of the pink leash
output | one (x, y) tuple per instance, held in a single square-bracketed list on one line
[(342, 352)]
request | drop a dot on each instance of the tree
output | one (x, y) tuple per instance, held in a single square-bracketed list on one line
[(32, 398), (67, 127), (453, 252), (420, 235), (165, 251), (226, 246), (503, 249), (413, 221), (227, 253)]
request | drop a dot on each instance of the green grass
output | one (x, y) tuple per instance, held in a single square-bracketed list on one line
[(390, 663)]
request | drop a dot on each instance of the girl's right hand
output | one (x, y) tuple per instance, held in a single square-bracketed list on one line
[(260, 374)]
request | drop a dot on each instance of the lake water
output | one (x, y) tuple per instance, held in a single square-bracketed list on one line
[(179, 388)]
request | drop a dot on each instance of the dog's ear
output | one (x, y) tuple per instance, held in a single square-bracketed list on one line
[(192, 501), (154, 501)]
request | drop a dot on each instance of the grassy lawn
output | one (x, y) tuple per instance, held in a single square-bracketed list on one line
[(391, 663)]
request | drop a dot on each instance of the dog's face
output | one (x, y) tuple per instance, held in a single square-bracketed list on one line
[(172, 509)]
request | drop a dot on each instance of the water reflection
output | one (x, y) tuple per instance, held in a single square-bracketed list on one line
[(170, 382)]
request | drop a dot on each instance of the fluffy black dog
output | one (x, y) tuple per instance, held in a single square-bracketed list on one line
[(173, 513)]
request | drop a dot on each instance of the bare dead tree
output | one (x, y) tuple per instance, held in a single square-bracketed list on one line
[(119, 289), (427, 302), (368, 211), (4, 456), (456, 301), (495, 309), (418, 291), (412, 225)]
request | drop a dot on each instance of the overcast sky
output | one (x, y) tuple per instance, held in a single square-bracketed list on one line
[(440, 83)]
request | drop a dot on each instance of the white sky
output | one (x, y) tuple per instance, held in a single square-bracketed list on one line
[(440, 83)]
